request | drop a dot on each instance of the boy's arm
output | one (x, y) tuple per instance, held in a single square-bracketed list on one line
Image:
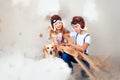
[(71, 43), (80, 48)]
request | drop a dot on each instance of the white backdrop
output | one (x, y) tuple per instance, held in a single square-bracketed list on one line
[(24, 30), (22, 21)]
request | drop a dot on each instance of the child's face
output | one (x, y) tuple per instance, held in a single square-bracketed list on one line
[(76, 27), (58, 25)]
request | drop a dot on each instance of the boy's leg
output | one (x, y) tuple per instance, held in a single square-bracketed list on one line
[(83, 73), (68, 58)]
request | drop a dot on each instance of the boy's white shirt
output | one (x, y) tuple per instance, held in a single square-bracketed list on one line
[(80, 39)]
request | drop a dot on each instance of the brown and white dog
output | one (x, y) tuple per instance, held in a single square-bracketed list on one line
[(49, 50)]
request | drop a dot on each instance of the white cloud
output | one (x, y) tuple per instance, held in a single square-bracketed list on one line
[(21, 2), (90, 10), (48, 7)]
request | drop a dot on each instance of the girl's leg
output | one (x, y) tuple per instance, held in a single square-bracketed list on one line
[(67, 58), (60, 53)]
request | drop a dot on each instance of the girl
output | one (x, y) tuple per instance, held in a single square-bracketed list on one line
[(57, 31)]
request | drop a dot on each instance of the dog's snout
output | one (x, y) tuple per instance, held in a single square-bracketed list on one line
[(51, 52)]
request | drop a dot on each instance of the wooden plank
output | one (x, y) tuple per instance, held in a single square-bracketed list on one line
[(101, 62), (89, 61), (75, 53), (70, 51), (85, 68)]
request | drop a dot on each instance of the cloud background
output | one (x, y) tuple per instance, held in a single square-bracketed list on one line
[(23, 21)]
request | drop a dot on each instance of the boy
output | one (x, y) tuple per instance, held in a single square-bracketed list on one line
[(81, 43)]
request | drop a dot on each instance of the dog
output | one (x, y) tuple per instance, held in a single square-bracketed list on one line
[(50, 50)]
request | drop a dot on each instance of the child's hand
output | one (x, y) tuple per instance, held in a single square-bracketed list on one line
[(59, 48), (62, 44), (69, 44)]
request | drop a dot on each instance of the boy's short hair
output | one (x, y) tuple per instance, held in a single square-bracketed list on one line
[(78, 20)]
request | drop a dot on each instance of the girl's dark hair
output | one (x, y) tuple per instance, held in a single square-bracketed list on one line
[(78, 20)]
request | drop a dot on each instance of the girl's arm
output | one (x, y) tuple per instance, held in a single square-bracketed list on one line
[(55, 41), (67, 37), (53, 37)]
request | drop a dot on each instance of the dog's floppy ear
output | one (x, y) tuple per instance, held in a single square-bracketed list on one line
[(55, 48), (45, 49)]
